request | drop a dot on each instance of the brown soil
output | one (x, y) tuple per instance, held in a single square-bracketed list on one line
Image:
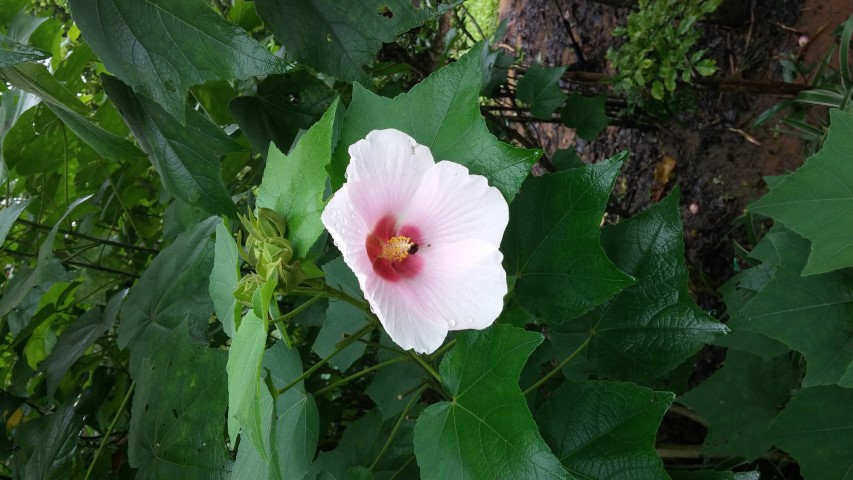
[(720, 158)]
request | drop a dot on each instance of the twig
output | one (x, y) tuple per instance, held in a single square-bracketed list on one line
[(102, 241)]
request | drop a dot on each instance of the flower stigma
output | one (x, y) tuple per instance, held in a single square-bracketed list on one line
[(396, 249)]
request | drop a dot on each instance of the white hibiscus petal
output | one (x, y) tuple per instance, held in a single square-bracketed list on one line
[(349, 232), (464, 283), (451, 205), (400, 310), (387, 167)]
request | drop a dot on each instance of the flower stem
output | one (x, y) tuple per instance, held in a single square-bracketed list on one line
[(447, 346), (296, 311), (558, 367), (393, 433), (110, 430), (340, 346), (360, 304), (425, 365), (360, 374)]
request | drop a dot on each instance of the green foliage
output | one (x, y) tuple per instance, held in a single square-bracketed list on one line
[(540, 88), (602, 429), (559, 267), (658, 52), (135, 344), (486, 428), (441, 113)]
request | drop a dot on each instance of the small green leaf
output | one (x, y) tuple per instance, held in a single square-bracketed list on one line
[(652, 326), (657, 90), (193, 45), (77, 338), (8, 216), (540, 88), (224, 278), (176, 420), (13, 53), (244, 381), (293, 185), (337, 38), (741, 400), (187, 157), (45, 446), (816, 201), (442, 113), (487, 429), (790, 306), (586, 115), (171, 290), (706, 67), (283, 105), (604, 429), (817, 429), (342, 320), (560, 269)]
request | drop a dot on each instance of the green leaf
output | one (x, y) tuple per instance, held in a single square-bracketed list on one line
[(8, 216), (224, 278), (816, 201), (604, 429), (283, 105), (652, 326), (244, 381), (442, 113), (586, 115), (658, 91), (342, 320), (390, 383), (172, 289), (176, 421), (486, 430), (108, 145), (77, 338), (48, 270), (741, 400), (293, 185), (340, 38), (191, 46), (817, 429), (13, 53), (36, 79), (808, 314), (45, 446), (185, 156), (540, 88), (711, 475), (560, 269), (566, 158), (291, 425)]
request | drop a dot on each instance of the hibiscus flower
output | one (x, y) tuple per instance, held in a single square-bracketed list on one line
[(422, 238)]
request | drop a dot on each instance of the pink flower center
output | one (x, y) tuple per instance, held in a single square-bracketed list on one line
[(393, 251)]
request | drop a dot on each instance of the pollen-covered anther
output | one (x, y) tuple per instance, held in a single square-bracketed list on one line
[(396, 249)]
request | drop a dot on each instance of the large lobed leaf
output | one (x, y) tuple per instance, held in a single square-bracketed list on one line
[(293, 185), (809, 314), (163, 47), (443, 113), (486, 431), (339, 38), (186, 156), (605, 430), (552, 242), (741, 400), (176, 429), (45, 446), (816, 201), (652, 326), (173, 289)]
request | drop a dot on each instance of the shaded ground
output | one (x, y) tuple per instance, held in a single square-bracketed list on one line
[(718, 168)]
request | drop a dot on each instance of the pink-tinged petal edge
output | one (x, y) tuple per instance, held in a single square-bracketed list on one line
[(384, 171), (451, 205)]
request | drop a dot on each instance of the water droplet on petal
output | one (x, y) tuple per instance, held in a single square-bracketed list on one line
[(470, 320), (451, 322)]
